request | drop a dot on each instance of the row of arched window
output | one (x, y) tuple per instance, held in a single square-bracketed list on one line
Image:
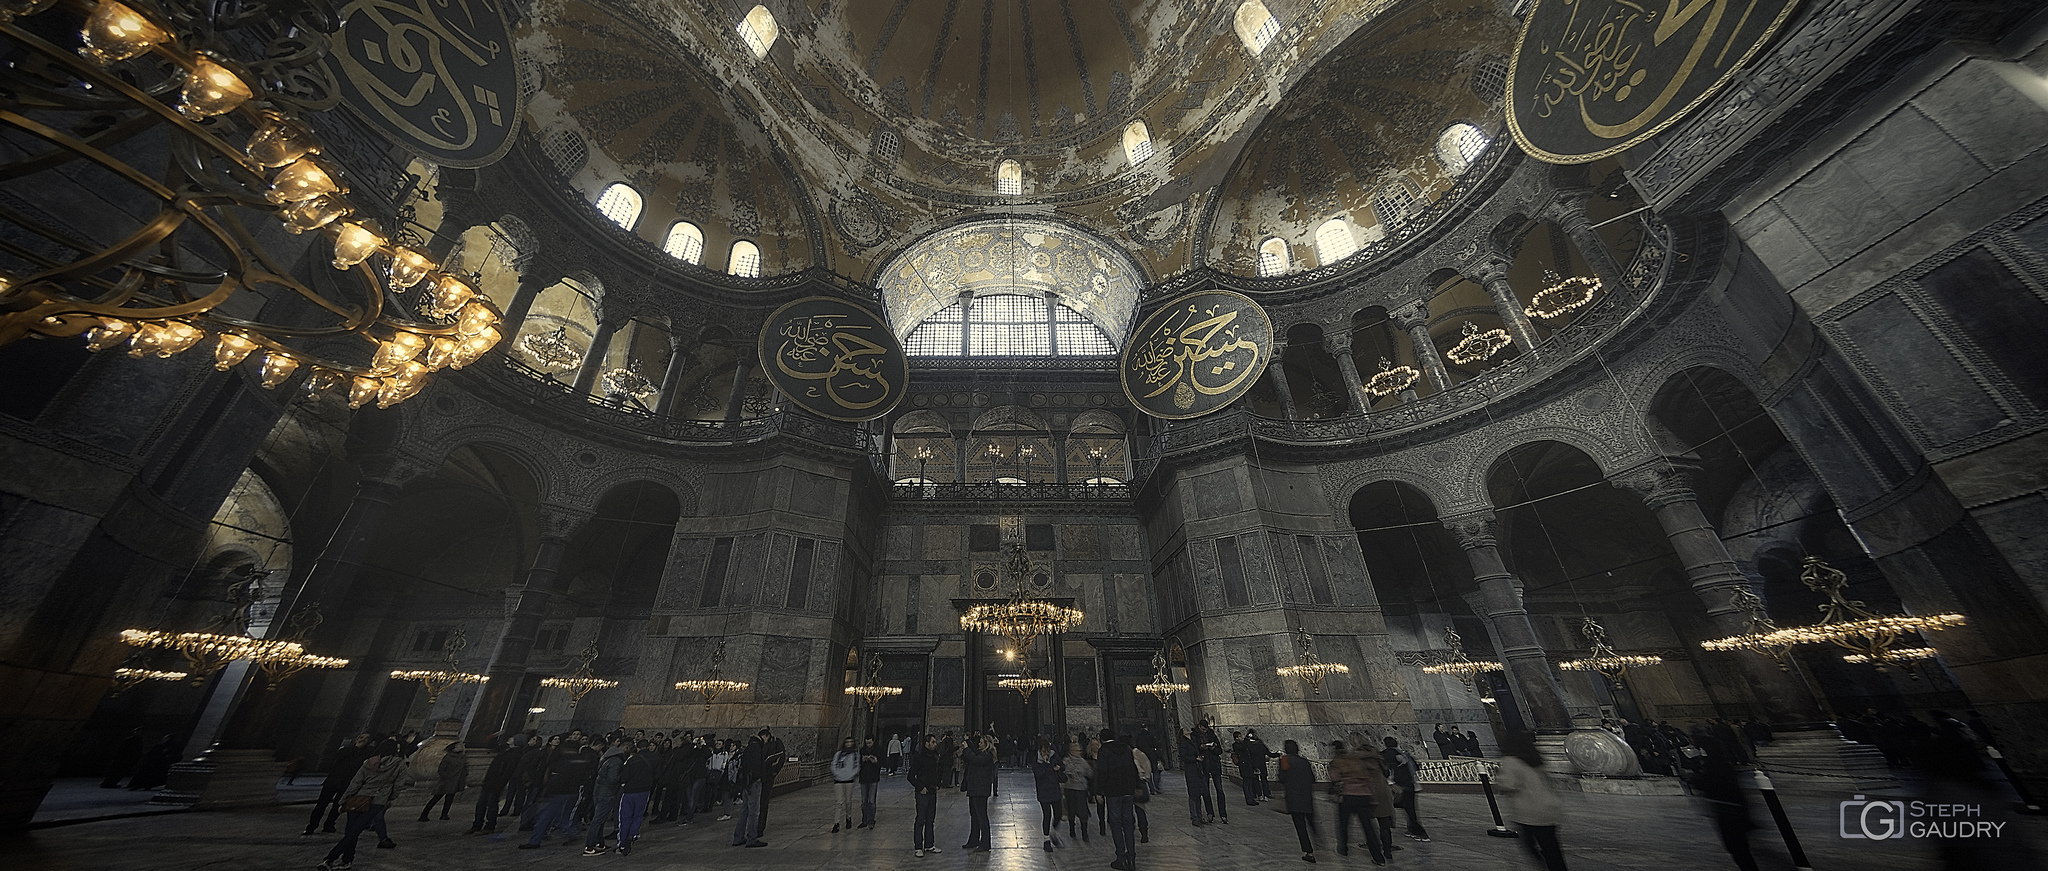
[(1393, 204), (622, 204)]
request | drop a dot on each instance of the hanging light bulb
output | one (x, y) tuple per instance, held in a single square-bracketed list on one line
[(11, 9), (164, 338), (115, 32), (363, 389), (231, 348), (353, 243), (402, 386), (399, 349), (314, 213), (279, 141), (211, 89), (474, 347), (441, 352), (407, 268), (450, 293), (474, 318), (277, 366), (302, 179), (321, 381), (110, 332)]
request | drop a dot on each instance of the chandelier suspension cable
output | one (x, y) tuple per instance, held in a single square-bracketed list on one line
[(1454, 661)]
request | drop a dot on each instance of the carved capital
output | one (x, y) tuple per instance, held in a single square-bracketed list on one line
[(1414, 314), (1660, 483), (559, 521), (1568, 210), (1339, 342), (1487, 269), (1473, 531)]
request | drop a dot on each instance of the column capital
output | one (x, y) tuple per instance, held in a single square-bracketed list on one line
[(1338, 342), (1660, 483), (559, 522), (1568, 206), (1473, 531), (1414, 314), (1488, 268)]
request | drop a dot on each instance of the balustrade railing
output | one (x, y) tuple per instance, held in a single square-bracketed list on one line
[(1457, 769), (536, 389), (986, 491)]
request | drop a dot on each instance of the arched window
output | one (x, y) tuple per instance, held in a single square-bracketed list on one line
[(1272, 257), (621, 203), (1008, 325), (1256, 26), (759, 30), (1394, 203), (1334, 241), (1010, 178), (1137, 143), (685, 242), (1459, 145), (745, 261)]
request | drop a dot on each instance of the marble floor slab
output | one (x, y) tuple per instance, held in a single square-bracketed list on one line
[(1666, 833)]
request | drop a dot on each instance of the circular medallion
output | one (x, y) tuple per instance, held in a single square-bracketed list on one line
[(1592, 78), (859, 220), (440, 80), (834, 359), (1196, 354)]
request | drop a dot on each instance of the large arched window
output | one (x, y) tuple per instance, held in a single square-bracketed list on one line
[(1256, 26), (759, 30), (1394, 203), (1010, 178), (1272, 257), (685, 242), (1334, 241), (745, 261), (1459, 145), (621, 203), (1137, 142), (1008, 325)]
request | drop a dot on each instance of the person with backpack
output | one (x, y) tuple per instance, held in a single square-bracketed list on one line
[(845, 771), (1403, 770), (1118, 785), (370, 792)]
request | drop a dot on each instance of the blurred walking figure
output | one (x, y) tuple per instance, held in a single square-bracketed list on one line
[(1045, 782), (1298, 789), (372, 790), (1529, 800)]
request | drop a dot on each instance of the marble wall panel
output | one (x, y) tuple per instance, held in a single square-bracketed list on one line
[(775, 575), (683, 581), (949, 681), (903, 542), (815, 495), (1080, 684), (944, 542), (1289, 576), (1216, 494), (783, 677), (743, 584), (1080, 542), (1249, 671)]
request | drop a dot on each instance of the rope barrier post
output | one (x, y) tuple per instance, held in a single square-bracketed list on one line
[(1500, 829), (1763, 785), (2028, 805)]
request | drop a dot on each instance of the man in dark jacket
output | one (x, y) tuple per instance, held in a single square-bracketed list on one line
[(746, 830), (604, 795), (636, 781), (340, 770), (1198, 786), (1148, 744), (926, 778), (1401, 768), (1211, 746), (569, 772), (1117, 785), (693, 778), (774, 755), (504, 768), (870, 781), (978, 780), (1260, 753), (533, 775)]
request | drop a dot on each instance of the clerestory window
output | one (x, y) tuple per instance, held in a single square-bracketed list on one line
[(1008, 325)]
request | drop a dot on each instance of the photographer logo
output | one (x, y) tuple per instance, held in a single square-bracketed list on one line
[(1883, 820)]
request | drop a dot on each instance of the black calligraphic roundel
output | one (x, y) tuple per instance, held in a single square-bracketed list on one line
[(439, 78), (1592, 78), (834, 358), (1197, 354)]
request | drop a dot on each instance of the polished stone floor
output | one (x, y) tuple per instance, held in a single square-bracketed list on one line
[(1667, 833)]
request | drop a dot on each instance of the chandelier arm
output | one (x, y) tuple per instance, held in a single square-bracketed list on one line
[(106, 161)]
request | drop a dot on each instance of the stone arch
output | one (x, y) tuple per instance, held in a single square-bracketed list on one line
[(1431, 486), (685, 495), (528, 453), (1481, 470)]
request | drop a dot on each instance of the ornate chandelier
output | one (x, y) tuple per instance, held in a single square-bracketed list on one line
[(298, 628), (1022, 619), (1461, 666), (1024, 683), (1847, 623), (1602, 657), (870, 688), (233, 147), (127, 678), (551, 352), (1310, 669), (628, 382), (1760, 637), (1477, 346), (583, 681), (1162, 686), (209, 652), (1391, 379), (1562, 296), (441, 680), (714, 683)]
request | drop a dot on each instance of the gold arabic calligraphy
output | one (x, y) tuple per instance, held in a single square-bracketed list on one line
[(1595, 56), (1177, 355), (399, 55), (825, 348)]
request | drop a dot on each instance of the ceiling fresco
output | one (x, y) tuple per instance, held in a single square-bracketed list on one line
[(1088, 274)]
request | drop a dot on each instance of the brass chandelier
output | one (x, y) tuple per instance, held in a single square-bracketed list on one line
[(1024, 683), (1602, 658), (1760, 636), (870, 689), (1391, 379), (235, 147), (584, 680), (713, 684), (627, 381), (1308, 667), (1162, 686), (224, 640), (1023, 618), (551, 352), (441, 680), (1478, 346), (1847, 623), (1562, 296), (1457, 664)]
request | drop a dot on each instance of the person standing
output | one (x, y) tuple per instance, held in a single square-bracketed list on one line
[(689, 778), (1198, 785), (925, 776), (753, 769), (845, 773), (1117, 784), (340, 770), (1528, 799), (1077, 775), (718, 774), (1148, 744), (1401, 768), (1472, 745), (895, 751), (1145, 772), (1045, 784), (1259, 754), (370, 792), (978, 780), (636, 786), (773, 756), (504, 767), (1447, 742), (605, 792), (1298, 790), (1212, 768), (562, 781), (451, 776), (533, 776), (870, 781), (1240, 752)]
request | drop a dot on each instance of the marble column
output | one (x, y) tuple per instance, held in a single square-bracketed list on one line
[(1276, 371), (1492, 274), (1347, 367), (679, 353), (1666, 488), (1500, 599), (742, 372), (594, 357), (530, 286), (341, 559), (1568, 212), (493, 710), (1414, 317)]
